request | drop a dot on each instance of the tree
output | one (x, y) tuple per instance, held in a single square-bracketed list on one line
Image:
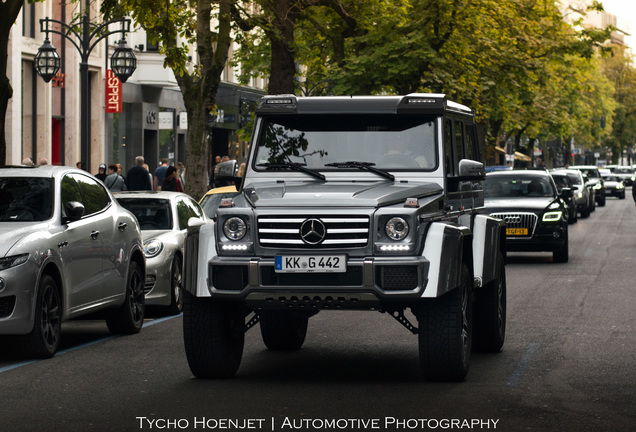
[(9, 11), (175, 26), (620, 71)]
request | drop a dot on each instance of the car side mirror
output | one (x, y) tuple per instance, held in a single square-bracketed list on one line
[(225, 170), (74, 211), (566, 193), (471, 170), (228, 171)]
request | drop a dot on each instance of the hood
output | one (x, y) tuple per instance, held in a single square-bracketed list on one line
[(336, 194), (13, 232), (516, 205)]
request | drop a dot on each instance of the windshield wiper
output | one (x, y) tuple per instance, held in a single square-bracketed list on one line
[(368, 166), (294, 166)]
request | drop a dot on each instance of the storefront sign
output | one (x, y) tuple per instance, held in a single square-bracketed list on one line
[(113, 93), (166, 120)]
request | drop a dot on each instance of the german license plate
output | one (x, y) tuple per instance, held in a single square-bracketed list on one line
[(311, 264), (517, 231)]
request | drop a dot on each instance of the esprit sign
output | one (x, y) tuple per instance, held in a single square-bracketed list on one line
[(113, 93)]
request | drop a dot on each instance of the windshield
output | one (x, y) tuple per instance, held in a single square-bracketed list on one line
[(26, 199), (591, 172), (152, 214), (388, 141), (518, 187), (561, 181), (575, 178)]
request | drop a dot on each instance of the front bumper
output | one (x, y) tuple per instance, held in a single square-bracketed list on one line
[(368, 283), (17, 299), (158, 284), (544, 239)]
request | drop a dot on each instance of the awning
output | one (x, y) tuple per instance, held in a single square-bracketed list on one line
[(518, 155)]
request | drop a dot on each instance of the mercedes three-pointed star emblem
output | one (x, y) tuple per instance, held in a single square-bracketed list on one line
[(313, 231)]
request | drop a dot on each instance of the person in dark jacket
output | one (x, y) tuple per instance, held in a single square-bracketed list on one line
[(102, 172), (138, 178), (171, 181)]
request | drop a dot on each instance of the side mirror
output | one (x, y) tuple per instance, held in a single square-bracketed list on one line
[(228, 171), (471, 170), (566, 193), (74, 211), (225, 170)]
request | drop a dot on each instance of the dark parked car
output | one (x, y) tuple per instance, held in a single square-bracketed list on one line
[(67, 249), (562, 180), (534, 212)]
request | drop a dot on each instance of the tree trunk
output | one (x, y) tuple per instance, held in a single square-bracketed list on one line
[(9, 10)]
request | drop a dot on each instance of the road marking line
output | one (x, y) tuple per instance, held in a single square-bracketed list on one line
[(28, 362), (523, 365)]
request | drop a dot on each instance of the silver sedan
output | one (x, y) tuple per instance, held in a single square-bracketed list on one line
[(163, 218), (67, 249)]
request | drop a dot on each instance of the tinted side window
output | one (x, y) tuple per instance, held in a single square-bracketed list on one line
[(95, 197), (448, 147), (70, 191), (186, 209), (458, 147), (471, 143)]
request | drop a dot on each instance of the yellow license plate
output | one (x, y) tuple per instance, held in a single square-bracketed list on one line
[(517, 231)]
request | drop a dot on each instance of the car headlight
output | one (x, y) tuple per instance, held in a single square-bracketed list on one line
[(152, 248), (12, 261), (620, 186), (553, 216), (597, 186), (396, 228), (235, 228)]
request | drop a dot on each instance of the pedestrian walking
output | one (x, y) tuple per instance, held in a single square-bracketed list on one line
[(171, 180), (114, 181), (160, 173), (181, 173), (138, 177)]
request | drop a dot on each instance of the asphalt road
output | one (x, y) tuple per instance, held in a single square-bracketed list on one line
[(568, 364)]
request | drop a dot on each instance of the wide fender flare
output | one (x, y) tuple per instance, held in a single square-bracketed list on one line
[(488, 239), (199, 248), (446, 247)]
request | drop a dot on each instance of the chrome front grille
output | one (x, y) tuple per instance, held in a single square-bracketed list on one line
[(333, 231), (518, 220)]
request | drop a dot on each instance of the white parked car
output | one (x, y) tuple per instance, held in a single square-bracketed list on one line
[(163, 218), (67, 249)]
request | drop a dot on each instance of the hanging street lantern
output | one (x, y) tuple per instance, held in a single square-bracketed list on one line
[(47, 61), (123, 62)]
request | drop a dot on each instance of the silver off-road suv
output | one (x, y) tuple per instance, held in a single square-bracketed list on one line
[(350, 203)]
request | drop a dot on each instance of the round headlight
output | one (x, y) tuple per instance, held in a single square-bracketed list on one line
[(152, 248), (396, 228), (234, 228)]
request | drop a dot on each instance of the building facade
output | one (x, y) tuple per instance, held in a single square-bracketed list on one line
[(144, 116)]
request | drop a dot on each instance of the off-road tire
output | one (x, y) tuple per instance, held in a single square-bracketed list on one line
[(445, 332), (214, 336), (282, 330), (129, 317), (490, 313)]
